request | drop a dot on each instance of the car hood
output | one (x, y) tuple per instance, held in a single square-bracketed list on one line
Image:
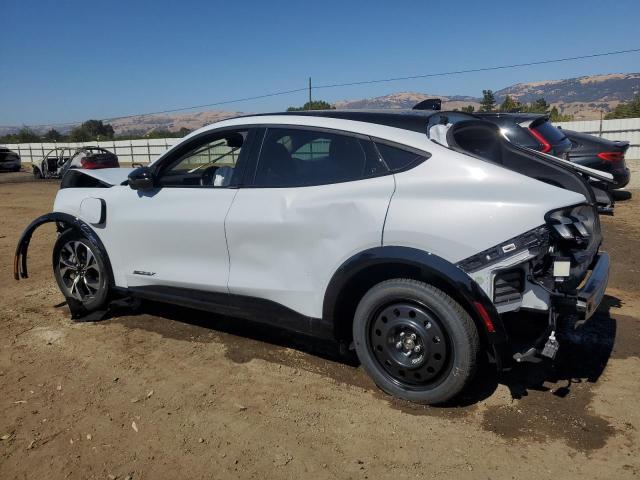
[(108, 176)]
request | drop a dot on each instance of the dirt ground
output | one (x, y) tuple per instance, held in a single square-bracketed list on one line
[(175, 393)]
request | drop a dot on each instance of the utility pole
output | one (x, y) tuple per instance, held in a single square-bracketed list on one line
[(601, 122), (309, 92)]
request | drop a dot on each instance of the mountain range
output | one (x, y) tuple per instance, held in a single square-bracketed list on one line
[(582, 97)]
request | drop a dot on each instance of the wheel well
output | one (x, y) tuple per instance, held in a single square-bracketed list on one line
[(355, 288), (64, 222)]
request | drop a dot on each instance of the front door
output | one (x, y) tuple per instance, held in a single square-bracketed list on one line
[(174, 234)]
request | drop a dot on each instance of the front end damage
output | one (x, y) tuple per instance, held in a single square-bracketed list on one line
[(63, 222), (20, 259), (555, 269)]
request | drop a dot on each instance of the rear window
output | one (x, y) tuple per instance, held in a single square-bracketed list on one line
[(552, 134)]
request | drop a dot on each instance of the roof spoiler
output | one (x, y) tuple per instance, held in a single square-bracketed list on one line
[(429, 104)]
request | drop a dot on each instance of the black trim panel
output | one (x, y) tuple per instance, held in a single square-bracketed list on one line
[(64, 221), (254, 309), (417, 264)]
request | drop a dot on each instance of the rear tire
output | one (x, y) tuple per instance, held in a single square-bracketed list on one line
[(81, 271), (415, 341)]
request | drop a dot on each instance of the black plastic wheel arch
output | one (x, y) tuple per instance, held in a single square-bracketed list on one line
[(416, 264), (64, 221)]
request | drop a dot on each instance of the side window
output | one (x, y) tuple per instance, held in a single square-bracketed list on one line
[(400, 158), (209, 164), (299, 158)]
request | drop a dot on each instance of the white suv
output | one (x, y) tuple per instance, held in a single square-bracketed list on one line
[(353, 226)]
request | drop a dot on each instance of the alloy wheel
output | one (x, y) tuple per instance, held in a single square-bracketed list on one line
[(79, 271)]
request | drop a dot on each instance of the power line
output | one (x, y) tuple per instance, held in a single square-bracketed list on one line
[(223, 102), (360, 82), (474, 70)]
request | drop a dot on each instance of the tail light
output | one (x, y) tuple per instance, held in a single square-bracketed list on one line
[(89, 164), (574, 224), (613, 157), (536, 241), (546, 146)]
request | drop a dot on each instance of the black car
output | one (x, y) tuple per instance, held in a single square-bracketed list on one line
[(601, 154), (531, 130), (535, 131), (9, 160)]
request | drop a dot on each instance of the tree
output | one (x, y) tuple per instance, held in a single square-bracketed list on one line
[(539, 106), (26, 135), (95, 129), (556, 116), (488, 102), (468, 109), (52, 135), (313, 105), (626, 110), (510, 105), (92, 130), (79, 134), (183, 132)]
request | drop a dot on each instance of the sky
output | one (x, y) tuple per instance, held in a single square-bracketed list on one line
[(67, 61)]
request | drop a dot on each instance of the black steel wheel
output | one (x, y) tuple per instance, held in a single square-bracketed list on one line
[(409, 343), (415, 341)]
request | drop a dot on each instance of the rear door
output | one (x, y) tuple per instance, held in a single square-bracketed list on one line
[(316, 198)]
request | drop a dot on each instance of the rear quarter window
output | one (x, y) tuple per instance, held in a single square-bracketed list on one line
[(399, 158)]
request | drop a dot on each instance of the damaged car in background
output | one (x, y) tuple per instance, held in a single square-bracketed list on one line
[(355, 226), (60, 159), (603, 159)]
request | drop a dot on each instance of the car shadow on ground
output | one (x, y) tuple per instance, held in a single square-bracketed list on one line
[(583, 355)]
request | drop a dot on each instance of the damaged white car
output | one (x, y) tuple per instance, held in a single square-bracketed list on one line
[(351, 226)]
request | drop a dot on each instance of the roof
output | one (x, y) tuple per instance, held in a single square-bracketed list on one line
[(414, 120), (516, 117)]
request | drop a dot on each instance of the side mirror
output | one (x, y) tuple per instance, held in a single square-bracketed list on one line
[(141, 179)]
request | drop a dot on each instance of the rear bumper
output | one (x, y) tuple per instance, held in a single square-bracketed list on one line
[(574, 309), (10, 165), (592, 292), (621, 177)]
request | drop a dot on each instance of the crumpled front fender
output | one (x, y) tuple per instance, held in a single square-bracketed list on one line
[(63, 221)]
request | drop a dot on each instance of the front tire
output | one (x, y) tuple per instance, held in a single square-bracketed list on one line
[(415, 341), (81, 271)]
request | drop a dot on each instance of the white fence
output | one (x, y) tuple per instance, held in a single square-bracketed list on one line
[(627, 129), (147, 150), (128, 151)]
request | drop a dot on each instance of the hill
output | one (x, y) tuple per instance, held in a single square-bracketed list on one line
[(582, 97)]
